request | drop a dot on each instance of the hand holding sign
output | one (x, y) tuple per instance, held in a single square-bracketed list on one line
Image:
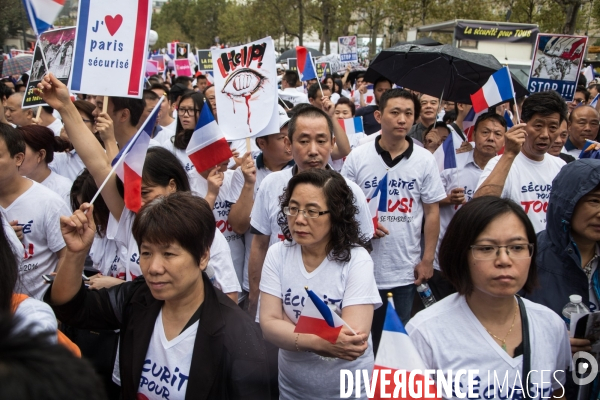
[(54, 92)]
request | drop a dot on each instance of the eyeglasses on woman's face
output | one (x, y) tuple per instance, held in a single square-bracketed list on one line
[(310, 213), (187, 111), (515, 251)]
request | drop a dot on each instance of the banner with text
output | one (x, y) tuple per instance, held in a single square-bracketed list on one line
[(556, 64), (205, 62), (183, 68), (246, 80), (111, 48), (348, 48), (495, 32)]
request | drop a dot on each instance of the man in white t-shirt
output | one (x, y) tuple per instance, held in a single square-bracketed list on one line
[(524, 173), (312, 142), (583, 124), (165, 114), (288, 91), (48, 120), (275, 155), (34, 211), (408, 203), (460, 183)]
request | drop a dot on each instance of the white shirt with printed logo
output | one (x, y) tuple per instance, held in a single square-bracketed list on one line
[(38, 211), (220, 257), (529, 184), (167, 364), (304, 375), (413, 181), (465, 178), (67, 164), (265, 212), (106, 258), (448, 336)]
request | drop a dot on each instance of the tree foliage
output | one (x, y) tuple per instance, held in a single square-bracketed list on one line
[(11, 18)]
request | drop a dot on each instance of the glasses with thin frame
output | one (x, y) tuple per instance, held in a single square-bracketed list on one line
[(293, 212), (491, 251)]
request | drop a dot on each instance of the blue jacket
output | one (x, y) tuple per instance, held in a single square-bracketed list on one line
[(558, 260)]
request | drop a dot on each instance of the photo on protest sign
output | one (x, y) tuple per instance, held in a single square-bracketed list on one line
[(160, 60), (183, 68), (348, 48), (205, 62), (53, 50), (182, 50), (246, 89), (111, 47), (556, 64)]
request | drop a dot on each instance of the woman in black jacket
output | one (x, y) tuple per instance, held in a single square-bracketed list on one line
[(180, 337)]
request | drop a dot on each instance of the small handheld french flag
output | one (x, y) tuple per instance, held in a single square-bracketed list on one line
[(397, 352), (589, 150), (207, 147), (130, 161), (305, 65), (595, 100), (42, 13), (318, 319), (498, 89), (378, 201), (370, 95), (352, 126)]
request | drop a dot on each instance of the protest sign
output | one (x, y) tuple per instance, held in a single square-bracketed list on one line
[(182, 50), (205, 62), (246, 80), (110, 47), (322, 69), (151, 67), (183, 68), (348, 48), (491, 32), (335, 65), (53, 50), (556, 64), (160, 62), (172, 47)]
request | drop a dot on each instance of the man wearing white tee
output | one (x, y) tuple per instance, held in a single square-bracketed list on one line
[(165, 114), (524, 173), (34, 212), (310, 132), (411, 196), (288, 91)]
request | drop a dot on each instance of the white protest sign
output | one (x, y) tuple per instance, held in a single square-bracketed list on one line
[(110, 47), (348, 48), (246, 89)]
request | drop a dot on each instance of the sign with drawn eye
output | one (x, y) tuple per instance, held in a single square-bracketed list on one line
[(246, 89)]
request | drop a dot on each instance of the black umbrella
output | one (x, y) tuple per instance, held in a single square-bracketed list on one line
[(434, 70), (291, 53)]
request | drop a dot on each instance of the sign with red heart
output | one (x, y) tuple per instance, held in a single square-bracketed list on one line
[(113, 23)]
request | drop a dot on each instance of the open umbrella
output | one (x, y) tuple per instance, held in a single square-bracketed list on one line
[(16, 65), (434, 70), (291, 53)]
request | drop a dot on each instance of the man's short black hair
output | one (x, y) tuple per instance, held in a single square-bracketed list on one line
[(13, 139), (403, 94), (586, 93), (308, 112), (150, 95), (314, 89), (135, 107), (490, 115), (464, 228), (291, 78), (544, 104), (184, 80), (32, 367), (382, 79), (202, 77)]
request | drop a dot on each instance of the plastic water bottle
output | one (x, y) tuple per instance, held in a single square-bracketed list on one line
[(425, 294), (574, 306)]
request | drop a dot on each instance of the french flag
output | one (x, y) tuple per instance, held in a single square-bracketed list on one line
[(130, 161), (508, 119), (207, 147), (318, 319), (42, 13), (469, 122), (378, 201), (398, 353), (498, 89), (595, 101), (352, 126), (370, 96), (589, 150), (305, 64)]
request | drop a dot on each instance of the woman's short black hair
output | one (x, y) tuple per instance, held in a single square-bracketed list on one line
[(183, 136), (160, 166), (464, 228), (349, 103), (345, 231), (85, 187), (180, 217)]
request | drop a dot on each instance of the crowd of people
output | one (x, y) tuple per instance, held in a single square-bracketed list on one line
[(197, 294)]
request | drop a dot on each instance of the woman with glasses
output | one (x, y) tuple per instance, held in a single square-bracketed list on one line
[(488, 254), (324, 253)]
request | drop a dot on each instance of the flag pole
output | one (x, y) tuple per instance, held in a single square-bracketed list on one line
[(438, 109), (283, 102), (316, 75), (514, 96), (127, 148)]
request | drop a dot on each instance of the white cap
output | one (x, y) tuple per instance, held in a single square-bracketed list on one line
[(575, 298), (283, 117)]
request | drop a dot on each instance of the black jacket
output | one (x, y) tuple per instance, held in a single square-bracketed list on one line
[(228, 362)]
